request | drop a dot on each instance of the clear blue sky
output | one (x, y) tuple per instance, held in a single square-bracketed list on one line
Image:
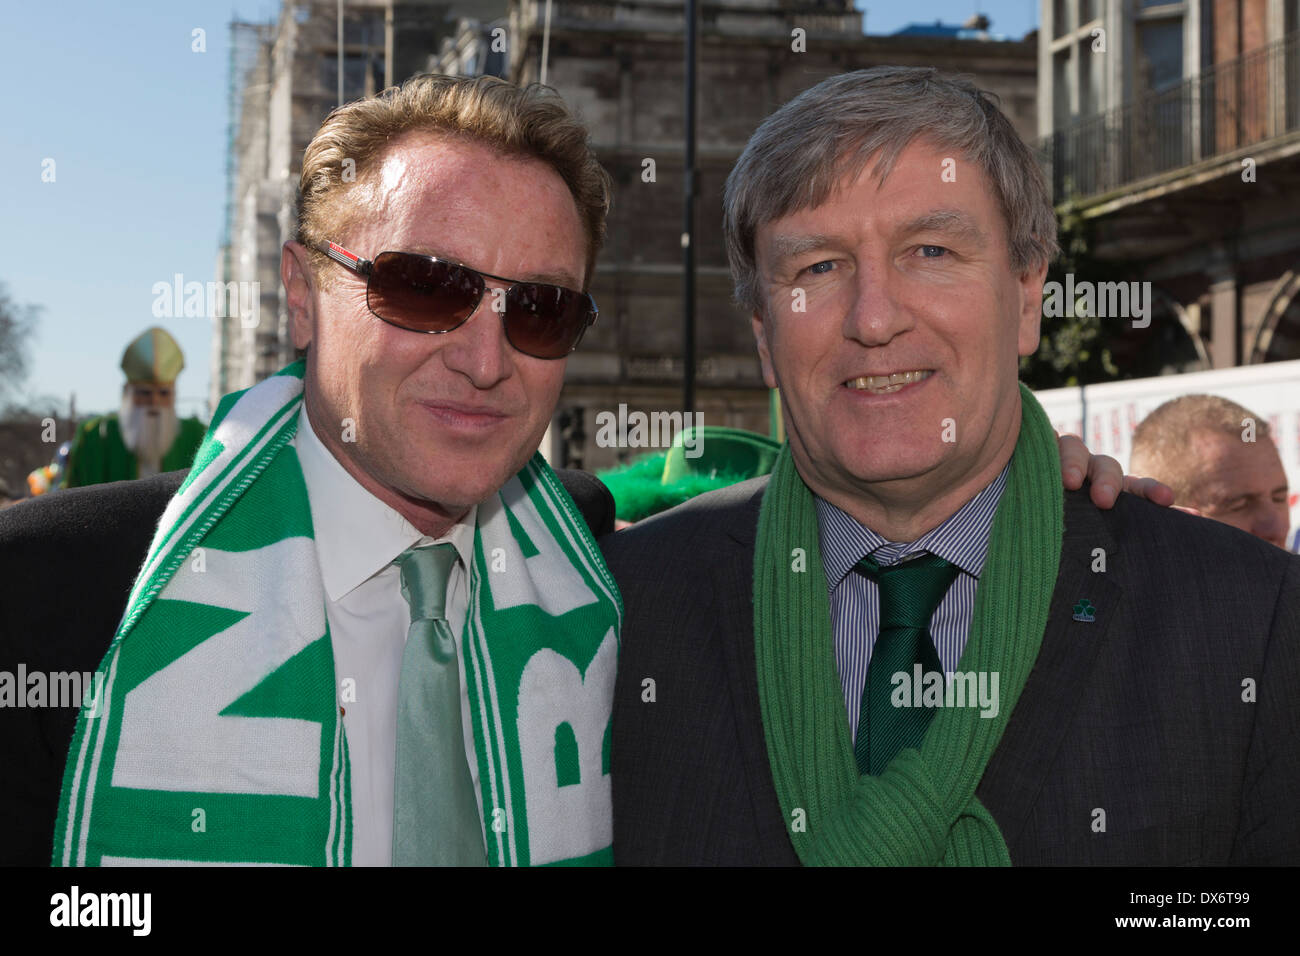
[(135, 122), (1014, 18)]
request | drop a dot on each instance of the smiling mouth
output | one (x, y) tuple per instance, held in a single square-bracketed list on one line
[(885, 384)]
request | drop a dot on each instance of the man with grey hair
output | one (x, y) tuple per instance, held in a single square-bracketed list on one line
[(1220, 459), (908, 646)]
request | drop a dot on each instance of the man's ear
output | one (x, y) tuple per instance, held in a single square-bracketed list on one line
[(1031, 308), (300, 292), (764, 352)]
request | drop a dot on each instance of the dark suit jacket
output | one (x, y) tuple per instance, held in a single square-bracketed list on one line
[(1139, 713), (67, 562)]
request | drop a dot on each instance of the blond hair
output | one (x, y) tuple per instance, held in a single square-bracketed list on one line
[(1161, 440), (529, 123)]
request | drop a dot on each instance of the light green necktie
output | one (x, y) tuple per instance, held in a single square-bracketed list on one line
[(435, 814)]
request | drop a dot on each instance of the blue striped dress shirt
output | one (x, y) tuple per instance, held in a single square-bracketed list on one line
[(963, 540)]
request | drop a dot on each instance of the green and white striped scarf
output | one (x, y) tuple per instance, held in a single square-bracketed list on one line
[(219, 738)]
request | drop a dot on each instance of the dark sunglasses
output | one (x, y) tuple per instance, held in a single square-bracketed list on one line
[(428, 294)]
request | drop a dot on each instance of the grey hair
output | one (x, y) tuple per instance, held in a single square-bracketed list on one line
[(799, 153)]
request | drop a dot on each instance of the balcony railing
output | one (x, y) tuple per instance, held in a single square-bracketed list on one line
[(1251, 99)]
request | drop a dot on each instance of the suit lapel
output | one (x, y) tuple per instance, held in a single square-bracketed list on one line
[(734, 582), (1070, 649)]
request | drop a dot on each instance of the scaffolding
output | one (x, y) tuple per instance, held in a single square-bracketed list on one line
[(249, 73)]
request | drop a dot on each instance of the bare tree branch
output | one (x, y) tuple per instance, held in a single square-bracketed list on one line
[(17, 331)]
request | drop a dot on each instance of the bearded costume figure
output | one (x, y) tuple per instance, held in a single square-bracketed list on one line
[(145, 437)]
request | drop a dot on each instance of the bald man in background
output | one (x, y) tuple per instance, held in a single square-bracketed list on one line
[(1220, 459)]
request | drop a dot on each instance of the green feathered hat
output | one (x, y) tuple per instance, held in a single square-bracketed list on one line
[(153, 357)]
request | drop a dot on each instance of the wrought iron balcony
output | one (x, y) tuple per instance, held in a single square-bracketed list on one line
[(1233, 105)]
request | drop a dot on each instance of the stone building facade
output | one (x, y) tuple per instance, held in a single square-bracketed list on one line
[(619, 64), (1177, 141)]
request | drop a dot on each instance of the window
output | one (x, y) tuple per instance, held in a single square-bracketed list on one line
[(363, 75), (1161, 46), (1061, 89), (1060, 17)]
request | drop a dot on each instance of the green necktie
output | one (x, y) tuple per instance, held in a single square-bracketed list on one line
[(909, 593), (435, 814)]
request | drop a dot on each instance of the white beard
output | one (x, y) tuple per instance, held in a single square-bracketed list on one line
[(148, 433)]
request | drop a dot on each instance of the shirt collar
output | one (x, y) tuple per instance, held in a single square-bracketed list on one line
[(357, 535), (962, 539)]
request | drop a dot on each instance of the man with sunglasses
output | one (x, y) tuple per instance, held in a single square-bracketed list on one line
[(371, 627)]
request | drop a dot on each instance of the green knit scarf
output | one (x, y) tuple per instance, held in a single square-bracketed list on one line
[(922, 810)]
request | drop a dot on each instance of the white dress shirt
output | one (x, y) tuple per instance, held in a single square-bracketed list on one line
[(357, 539)]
